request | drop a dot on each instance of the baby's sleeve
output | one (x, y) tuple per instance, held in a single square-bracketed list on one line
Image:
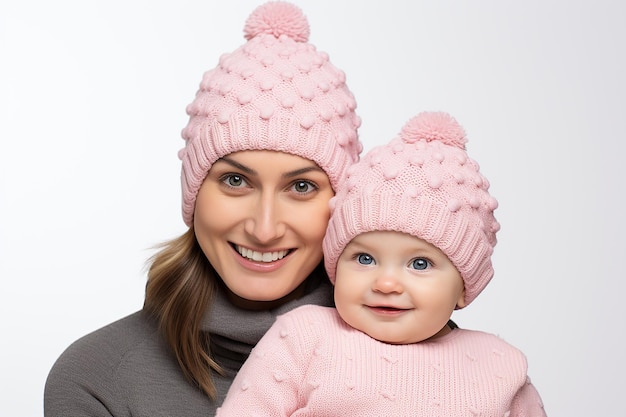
[(527, 402), (269, 381)]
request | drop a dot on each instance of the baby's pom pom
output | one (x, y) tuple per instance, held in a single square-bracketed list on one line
[(278, 18), (431, 126)]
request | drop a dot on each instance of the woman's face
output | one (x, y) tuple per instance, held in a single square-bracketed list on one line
[(260, 218)]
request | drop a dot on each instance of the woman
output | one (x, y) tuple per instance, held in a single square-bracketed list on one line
[(272, 133)]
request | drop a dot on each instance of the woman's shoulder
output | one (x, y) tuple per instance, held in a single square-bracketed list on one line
[(101, 351), (112, 342), (97, 371)]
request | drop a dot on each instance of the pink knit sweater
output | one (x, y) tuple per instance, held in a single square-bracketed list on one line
[(310, 363)]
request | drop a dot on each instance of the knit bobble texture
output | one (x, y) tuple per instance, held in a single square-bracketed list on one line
[(276, 92), (311, 362), (424, 184)]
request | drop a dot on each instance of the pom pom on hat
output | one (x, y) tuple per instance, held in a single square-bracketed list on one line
[(434, 126), (276, 92), (278, 18), (424, 184)]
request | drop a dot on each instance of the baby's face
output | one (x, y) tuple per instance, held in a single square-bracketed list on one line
[(397, 288)]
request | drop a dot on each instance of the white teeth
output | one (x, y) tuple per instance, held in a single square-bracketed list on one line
[(261, 256)]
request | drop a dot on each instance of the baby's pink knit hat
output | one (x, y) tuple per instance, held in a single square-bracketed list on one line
[(276, 92), (424, 184)]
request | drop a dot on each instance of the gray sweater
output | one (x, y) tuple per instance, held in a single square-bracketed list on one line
[(127, 369)]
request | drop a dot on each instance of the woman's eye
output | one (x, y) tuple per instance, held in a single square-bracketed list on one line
[(364, 259), (234, 180), (303, 187), (420, 263)]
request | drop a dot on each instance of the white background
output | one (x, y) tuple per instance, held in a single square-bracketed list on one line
[(92, 102)]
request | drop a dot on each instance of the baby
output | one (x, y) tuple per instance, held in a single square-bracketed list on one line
[(409, 241)]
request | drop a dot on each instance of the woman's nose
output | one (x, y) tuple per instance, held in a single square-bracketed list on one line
[(265, 223)]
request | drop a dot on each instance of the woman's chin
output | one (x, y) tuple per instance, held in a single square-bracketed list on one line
[(263, 298)]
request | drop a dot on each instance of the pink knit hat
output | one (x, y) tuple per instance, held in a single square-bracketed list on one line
[(276, 92), (422, 183)]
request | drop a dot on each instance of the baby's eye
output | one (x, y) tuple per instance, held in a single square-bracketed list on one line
[(420, 263), (364, 259)]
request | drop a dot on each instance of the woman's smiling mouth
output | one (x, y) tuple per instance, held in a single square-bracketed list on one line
[(257, 256)]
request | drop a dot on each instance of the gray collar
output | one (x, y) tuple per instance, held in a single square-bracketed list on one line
[(235, 331)]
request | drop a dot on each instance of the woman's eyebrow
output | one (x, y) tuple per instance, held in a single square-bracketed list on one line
[(290, 174), (239, 166), (300, 171)]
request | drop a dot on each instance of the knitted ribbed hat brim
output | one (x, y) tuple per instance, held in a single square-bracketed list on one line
[(249, 132), (464, 244)]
